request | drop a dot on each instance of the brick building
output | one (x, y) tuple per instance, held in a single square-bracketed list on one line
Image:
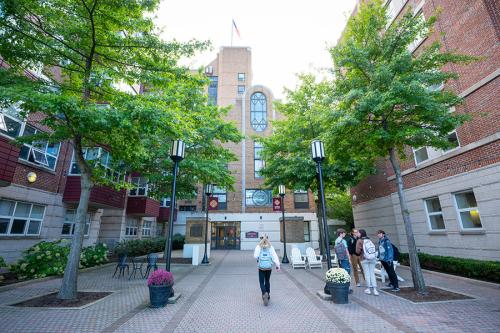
[(453, 195), (40, 189), (249, 208)]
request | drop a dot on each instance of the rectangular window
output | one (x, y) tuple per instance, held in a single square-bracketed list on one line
[(258, 162), (11, 124), (241, 76), (428, 153), (393, 8), (187, 208), (141, 187), (241, 90), (101, 158), (69, 223), (132, 227), (165, 202), (416, 43), (300, 199), (434, 214), (467, 211), (20, 218), (39, 152), (212, 90), (146, 228), (219, 193), (307, 231), (258, 197)]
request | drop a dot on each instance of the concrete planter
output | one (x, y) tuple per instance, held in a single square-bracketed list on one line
[(339, 292), (158, 295)]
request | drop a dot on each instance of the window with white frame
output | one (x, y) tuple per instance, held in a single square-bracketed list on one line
[(101, 157), (467, 211), (132, 227), (241, 76), (70, 222), (393, 8), (258, 111), (141, 186), (146, 228), (221, 194), (20, 218), (165, 202), (241, 89), (39, 152), (300, 199), (423, 154), (11, 124), (258, 162), (415, 44), (434, 214)]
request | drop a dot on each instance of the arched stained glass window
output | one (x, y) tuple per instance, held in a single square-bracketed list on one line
[(258, 111)]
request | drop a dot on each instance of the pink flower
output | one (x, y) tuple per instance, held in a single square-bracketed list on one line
[(161, 277)]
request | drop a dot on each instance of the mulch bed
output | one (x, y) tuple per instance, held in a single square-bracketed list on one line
[(51, 300), (8, 278), (434, 295)]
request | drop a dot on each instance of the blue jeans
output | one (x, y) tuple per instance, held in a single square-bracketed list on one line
[(264, 276), (344, 263)]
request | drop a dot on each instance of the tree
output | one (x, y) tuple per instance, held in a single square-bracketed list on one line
[(385, 96), (340, 207), (86, 53)]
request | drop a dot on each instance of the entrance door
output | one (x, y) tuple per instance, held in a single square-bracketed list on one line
[(226, 237)]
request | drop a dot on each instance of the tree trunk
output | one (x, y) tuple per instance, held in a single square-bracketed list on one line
[(320, 225), (416, 271), (69, 285)]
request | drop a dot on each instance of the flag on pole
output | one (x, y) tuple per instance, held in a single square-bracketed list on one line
[(236, 29)]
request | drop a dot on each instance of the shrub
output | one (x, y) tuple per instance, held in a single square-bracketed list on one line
[(337, 275), (178, 242), (161, 277), (471, 268), (50, 258), (2, 262), (139, 247)]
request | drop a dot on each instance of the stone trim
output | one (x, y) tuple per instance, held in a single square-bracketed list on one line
[(480, 83)]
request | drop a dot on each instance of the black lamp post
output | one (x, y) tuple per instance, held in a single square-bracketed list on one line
[(177, 155), (282, 195), (318, 155), (209, 189)]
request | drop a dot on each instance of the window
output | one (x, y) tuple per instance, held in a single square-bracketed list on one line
[(10, 122), (187, 208), (241, 76), (165, 202), (219, 193), (258, 197), (146, 228), (39, 152), (467, 211), (20, 218), (69, 223), (241, 90), (141, 186), (258, 111), (212, 90), (416, 43), (307, 231), (434, 214), (300, 199), (428, 153), (393, 8), (101, 157), (132, 227), (258, 162)]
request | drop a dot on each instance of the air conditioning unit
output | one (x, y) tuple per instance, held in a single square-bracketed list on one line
[(209, 70)]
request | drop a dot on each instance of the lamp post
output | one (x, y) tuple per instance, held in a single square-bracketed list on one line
[(177, 155), (282, 195), (209, 189), (318, 155)]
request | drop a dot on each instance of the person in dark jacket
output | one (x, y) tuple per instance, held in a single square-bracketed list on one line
[(386, 257), (356, 264)]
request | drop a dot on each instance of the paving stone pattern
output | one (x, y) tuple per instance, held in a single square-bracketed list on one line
[(225, 297)]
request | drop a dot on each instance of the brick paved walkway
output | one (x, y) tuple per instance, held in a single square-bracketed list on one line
[(225, 297)]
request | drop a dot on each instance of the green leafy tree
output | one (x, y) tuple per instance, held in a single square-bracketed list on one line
[(339, 207), (385, 100), (86, 52)]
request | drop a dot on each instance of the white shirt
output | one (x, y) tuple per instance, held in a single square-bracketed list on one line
[(274, 256)]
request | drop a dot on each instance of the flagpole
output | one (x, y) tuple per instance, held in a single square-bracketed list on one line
[(232, 33)]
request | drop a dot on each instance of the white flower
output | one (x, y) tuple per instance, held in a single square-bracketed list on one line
[(338, 275)]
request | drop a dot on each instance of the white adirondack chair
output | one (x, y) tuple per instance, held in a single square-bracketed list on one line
[(335, 262), (312, 258), (381, 274), (297, 260)]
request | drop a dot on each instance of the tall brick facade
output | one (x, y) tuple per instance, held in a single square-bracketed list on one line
[(466, 27)]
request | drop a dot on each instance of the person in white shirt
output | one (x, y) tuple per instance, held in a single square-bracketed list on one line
[(266, 256)]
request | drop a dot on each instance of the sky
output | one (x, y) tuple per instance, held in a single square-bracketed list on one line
[(286, 37)]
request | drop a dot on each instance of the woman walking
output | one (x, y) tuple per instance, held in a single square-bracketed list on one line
[(368, 257), (265, 255)]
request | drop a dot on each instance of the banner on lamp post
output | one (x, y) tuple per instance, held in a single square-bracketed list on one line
[(213, 203), (277, 204)]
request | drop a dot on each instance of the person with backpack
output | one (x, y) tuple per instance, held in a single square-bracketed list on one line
[(342, 252), (368, 257), (386, 257), (266, 256), (355, 263)]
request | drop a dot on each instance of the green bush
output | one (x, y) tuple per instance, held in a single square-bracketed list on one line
[(178, 242), (2, 262), (470, 268), (139, 247), (50, 258)]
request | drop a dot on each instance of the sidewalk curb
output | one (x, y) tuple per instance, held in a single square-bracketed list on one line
[(48, 278), (469, 280)]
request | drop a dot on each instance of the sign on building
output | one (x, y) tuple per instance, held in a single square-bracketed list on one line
[(276, 204)]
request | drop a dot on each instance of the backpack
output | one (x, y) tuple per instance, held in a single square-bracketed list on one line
[(265, 260), (340, 250), (369, 251), (395, 252)]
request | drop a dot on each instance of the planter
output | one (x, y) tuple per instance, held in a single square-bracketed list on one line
[(158, 295), (339, 292)]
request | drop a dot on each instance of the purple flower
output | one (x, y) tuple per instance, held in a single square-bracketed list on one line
[(161, 277)]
